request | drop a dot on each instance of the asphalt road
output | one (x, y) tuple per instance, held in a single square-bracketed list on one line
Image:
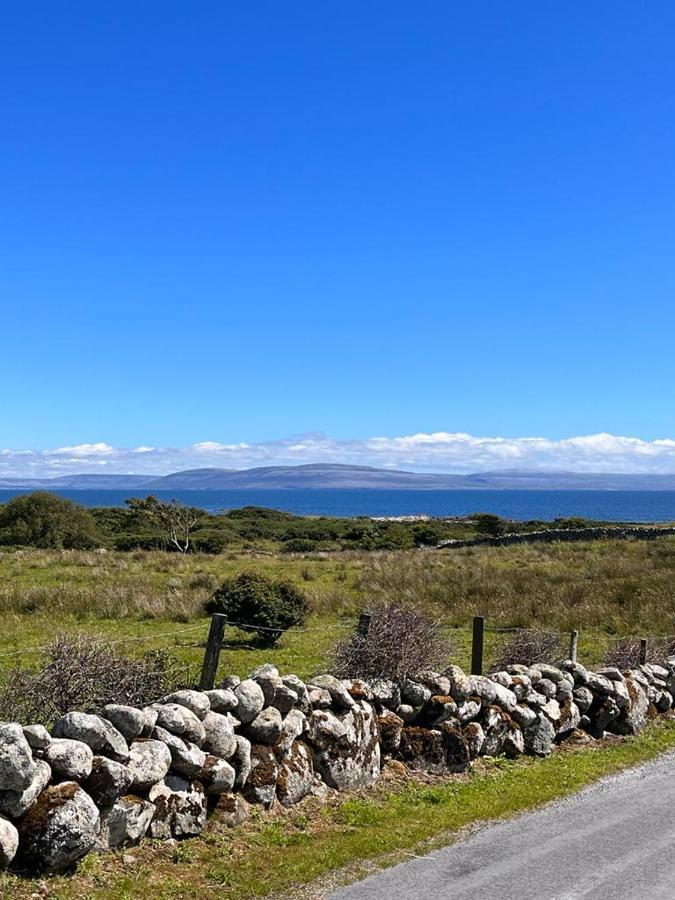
[(612, 841)]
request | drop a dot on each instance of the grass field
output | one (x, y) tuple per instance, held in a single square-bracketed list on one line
[(147, 600)]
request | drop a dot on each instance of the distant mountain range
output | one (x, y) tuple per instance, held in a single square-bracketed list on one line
[(339, 477)]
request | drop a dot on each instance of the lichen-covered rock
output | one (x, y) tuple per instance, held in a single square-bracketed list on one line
[(414, 693), (552, 673), (578, 672), (292, 727), (583, 697), (69, 759), (386, 693), (232, 809), (552, 709), (296, 775), (150, 720), (222, 700), (261, 784), (128, 720), (570, 718), (495, 723), (475, 738), (633, 717), (325, 728), (538, 736), (486, 690), (457, 757), (285, 699), (598, 684), (390, 726), (37, 736), (219, 737), (108, 781), (16, 803), (181, 721), (437, 710), (355, 760), (339, 694), (514, 741), (266, 727), (461, 685), (16, 760), (406, 713), (98, 734), (468, 710), (523, 715), (9, 842), (241, 761), (300, 688), (59, 828), (180, 808), (149, 762), (186, 759), (267, 676), (423, 750), (217, 775), (196, 701), (250, 700), (601, 715), (125, 822)]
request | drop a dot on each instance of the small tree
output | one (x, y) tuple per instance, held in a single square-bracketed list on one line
[(269, 606), (176, 520), (47, 521), (489, 524)]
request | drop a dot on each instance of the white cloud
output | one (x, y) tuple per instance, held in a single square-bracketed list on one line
[(435, 452)]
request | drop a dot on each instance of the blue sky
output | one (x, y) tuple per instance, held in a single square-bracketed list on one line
[(233, 223)]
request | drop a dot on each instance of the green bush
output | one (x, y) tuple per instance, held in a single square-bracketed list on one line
[(209, 541), (47, 521), (298, 545), (269, 606)]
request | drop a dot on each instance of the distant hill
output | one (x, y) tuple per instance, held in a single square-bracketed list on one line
[(342, 477)]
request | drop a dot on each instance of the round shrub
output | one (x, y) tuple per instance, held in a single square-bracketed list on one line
[(268, 606)]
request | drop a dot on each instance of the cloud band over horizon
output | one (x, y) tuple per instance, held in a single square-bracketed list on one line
[(438, 452)]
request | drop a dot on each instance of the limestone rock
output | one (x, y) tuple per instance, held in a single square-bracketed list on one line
[(9, 842), (125, 822), (296, 775), (386, 693), (355, 760), (414, 693), (37, 736), (241, 761), (456, 748), (15, 803), (538, 736), (196, 701), (219, 737), (222, 700), (186, 759), (149, 762), (261, 784), (266, 727), (180, 808), (16, 760), (633, 718), (390, 726), (59, 828), (422, 749), (338, 692), (181, 721), (461, 685), (475, 738), (232, 809), (250, 700), (285, 698), (98, 734), (291, 729), (108, 781), (128, 720), (217, 775), (69, 759)]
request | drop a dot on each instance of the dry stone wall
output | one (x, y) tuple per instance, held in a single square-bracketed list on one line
[(552, 535), (99, 782)]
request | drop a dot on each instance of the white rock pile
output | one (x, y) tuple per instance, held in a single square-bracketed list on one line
[(99, 782)]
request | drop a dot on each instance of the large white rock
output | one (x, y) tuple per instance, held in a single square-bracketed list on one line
[(218, 735), (149, 761), (180, 808), (9, 842), (354, 760), (16, 759), (186, 759), (16, 803), (181, 721), (98, 734), (108, 781), (70, 759), (125, 822), (60, 827), (250, 700), (296, 775), (196, 701), (128, 720)]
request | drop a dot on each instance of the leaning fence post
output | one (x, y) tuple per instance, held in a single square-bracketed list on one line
[(477, 645), (364, 625), (212, 652), (574, 640), (643, 651)]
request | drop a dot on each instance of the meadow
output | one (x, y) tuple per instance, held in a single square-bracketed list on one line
[(145, 600)]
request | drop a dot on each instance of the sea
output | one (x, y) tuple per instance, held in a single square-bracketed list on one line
[(613, 506)]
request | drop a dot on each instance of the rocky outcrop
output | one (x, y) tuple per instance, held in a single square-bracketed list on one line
[(108, 780)]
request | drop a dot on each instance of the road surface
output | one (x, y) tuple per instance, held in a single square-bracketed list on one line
[(612, 841)]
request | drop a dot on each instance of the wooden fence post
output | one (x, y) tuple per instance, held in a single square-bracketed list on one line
[(477, 645), (364, 625), (574, 640), (643, 651), (212, 652)]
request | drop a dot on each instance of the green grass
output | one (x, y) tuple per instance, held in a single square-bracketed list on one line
[(270, 855)]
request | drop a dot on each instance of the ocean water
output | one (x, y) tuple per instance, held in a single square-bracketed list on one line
[(617, 506)]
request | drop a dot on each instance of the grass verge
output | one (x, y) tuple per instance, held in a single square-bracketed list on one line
[(278, 854)]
